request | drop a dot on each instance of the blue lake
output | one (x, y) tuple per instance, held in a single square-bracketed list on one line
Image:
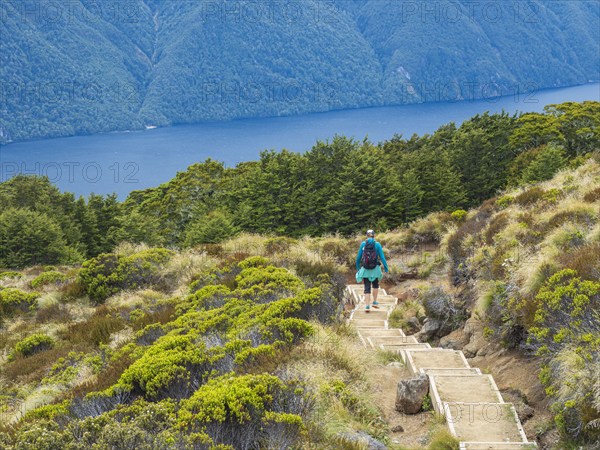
[(123, 162)]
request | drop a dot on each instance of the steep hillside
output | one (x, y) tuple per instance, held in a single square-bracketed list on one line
[(524, 269), (87, 67)]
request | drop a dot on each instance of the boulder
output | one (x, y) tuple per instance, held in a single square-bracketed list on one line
[(411, 393), (412, 325), (519, 401), (455, 340), (430, 329), (478, 345)]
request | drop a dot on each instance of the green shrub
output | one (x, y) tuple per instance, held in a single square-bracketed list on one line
[(172, 366), (553, 195), (459, 215), (243, 405), (7, 275), (545, 164), (504, 317), (254, 261), (566, 333), (33, 344), (110, 273), (268, 278), (566, 314), (13, 300), (45, 278), (505, 201)]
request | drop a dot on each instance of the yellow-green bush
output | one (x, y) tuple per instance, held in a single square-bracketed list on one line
[(268, 278), (10, 274), (232, 409), (246, 326), (65, 370), (504, 201), (172, 366), (13, 300), (50, 277), (459, 215), (566, 333), (567, 314), (33, 344)]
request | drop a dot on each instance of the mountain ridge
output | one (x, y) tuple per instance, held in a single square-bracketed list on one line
[(106, 66)]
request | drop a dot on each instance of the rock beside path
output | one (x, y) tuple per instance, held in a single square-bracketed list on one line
[(411, 393)]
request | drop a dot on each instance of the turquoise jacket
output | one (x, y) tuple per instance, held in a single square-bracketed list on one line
[(370, 274)]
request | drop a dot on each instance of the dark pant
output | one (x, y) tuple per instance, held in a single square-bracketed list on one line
[(368, 285)]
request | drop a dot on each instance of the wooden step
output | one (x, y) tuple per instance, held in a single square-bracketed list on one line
[(498, 446), (435, 358), (382, 333), (462, 389), (376, 341), (369, 323), (453, 372), (484, 422), (378, 314), (401, 349)]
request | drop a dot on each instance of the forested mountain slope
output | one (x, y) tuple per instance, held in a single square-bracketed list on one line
[(86, 67)]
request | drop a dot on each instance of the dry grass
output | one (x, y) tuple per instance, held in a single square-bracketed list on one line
[(336, 354), (53, 312), (144, 298), (95, 330), (35, 367)]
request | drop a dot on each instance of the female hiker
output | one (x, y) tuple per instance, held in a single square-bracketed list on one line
[(368, 264)]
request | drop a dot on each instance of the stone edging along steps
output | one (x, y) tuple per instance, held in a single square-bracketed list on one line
[(470, 401)]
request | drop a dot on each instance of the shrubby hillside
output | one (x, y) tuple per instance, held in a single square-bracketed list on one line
[(86, 67), (213, 347), (525, 267)]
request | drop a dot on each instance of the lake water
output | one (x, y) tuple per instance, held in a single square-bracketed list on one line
[(123, 162)]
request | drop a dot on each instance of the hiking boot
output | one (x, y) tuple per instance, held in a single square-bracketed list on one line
[(375, 304)]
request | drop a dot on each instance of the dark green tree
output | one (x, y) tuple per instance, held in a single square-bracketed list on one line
[(28, 238)]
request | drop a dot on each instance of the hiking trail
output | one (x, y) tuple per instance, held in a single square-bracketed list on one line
[(470, 401)]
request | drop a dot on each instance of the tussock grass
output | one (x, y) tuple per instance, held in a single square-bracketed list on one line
[(334, 361), (145, 298), (442, 439)]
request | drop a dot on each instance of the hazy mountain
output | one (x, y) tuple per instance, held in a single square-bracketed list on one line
[(90, 66)]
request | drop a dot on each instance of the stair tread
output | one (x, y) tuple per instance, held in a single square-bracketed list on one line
[(484, 422), (465, 388)]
